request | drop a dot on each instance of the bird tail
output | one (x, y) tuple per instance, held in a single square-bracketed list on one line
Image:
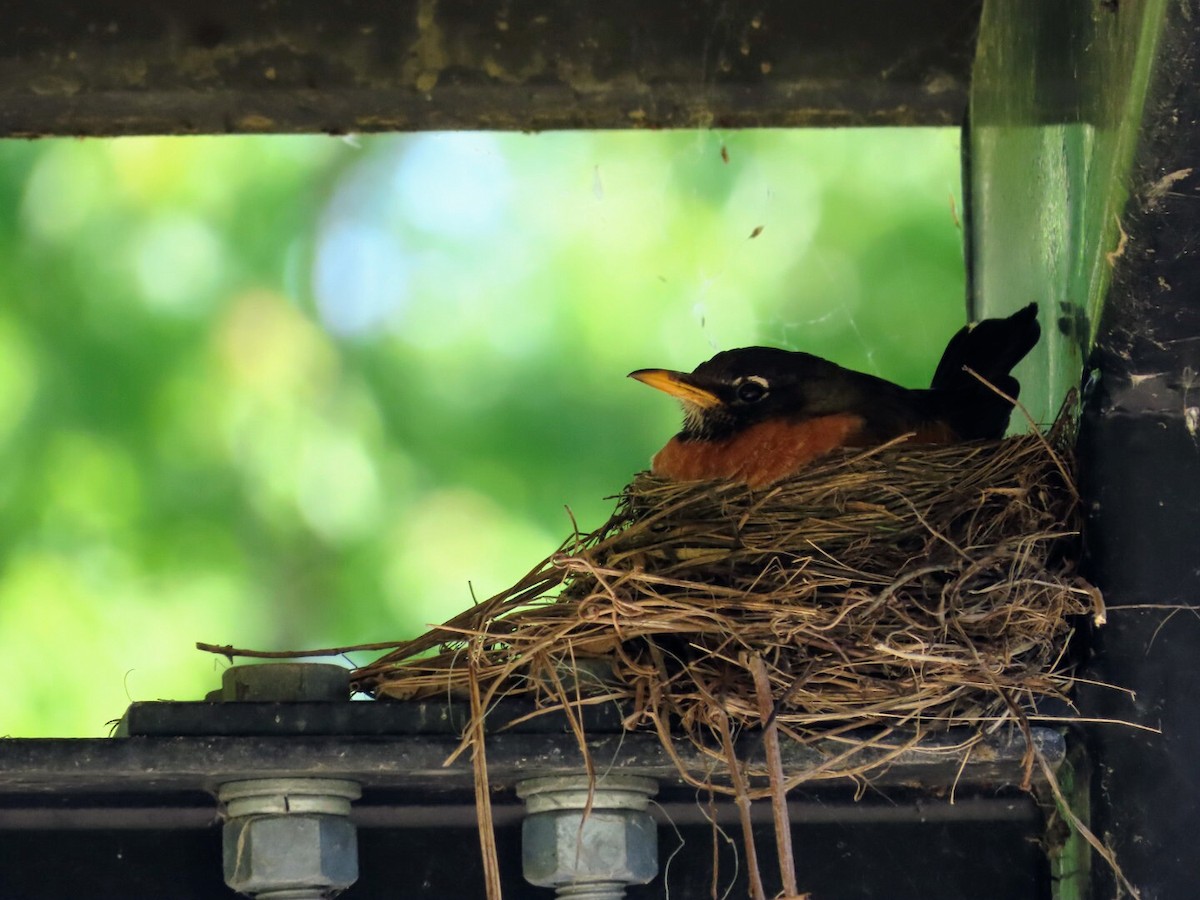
[(991, 348)]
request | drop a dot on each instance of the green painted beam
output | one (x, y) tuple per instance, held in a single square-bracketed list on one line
[(1056, 106)]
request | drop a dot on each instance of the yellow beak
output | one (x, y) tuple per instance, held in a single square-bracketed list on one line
[(678, 385)]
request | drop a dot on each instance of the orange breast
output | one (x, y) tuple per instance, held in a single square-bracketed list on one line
[(760, 454), (935, 433)]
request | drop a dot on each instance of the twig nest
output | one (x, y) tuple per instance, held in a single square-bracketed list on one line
[(905, 586)]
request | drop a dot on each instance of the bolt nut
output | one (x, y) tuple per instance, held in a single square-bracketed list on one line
[(561, 848), (282, 682), (293, 852)]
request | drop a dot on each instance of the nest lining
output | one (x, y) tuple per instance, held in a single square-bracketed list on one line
[(901, 590)]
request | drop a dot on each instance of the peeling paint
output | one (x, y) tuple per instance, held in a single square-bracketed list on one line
[(427, 55), (254, 122), (55, 85)]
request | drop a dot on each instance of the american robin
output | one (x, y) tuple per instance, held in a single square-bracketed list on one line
[(759, 414)]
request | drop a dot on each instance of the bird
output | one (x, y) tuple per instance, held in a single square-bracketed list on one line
[(759, 414)]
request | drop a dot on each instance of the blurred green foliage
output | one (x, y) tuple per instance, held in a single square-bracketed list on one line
[(294, 392)]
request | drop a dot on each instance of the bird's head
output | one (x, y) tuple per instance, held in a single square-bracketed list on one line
[(737, 388)]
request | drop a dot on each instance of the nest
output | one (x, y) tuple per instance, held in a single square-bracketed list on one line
[(903, 590)]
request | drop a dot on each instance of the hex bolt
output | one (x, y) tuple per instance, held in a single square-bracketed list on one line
[(289, 838), (593, 856)]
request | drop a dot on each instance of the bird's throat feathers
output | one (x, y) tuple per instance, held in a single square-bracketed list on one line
[(706, 423)]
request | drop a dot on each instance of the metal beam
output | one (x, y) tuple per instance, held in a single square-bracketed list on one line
[(1084, 180), (111, 67), (1055, 111), (417, 762), (1140, 455)]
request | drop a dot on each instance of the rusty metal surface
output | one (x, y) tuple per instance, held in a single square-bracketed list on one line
[(120, 67)]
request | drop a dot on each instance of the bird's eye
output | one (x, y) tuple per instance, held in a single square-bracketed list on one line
[(751, 389)]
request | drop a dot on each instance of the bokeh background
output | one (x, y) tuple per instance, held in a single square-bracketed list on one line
[(289, 392)]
